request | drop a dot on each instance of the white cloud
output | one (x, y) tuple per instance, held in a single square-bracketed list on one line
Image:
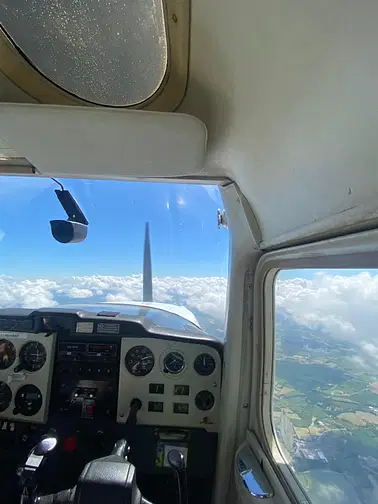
[(346, 306), (26, 293), (76, 293), (207, 295)]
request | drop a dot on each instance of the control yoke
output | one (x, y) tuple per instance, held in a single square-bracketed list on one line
[(109, 479)]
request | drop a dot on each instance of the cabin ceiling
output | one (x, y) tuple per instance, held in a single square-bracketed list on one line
[(288, 90)]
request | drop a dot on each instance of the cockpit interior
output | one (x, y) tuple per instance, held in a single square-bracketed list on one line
[(188, 252), (93, 377)]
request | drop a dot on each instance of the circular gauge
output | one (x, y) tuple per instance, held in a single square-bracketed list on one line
[(32, 356), (204, 364), (7, 354), (174, 363), (5, 396), (204, 400), (28, 400), (139, 360)]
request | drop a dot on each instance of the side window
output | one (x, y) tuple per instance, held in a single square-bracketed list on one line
[(325, 400)]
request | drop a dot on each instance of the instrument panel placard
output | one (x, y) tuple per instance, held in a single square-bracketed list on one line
[(84, 327), (107, 328)]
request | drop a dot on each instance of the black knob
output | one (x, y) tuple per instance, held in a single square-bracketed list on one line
[(136, 403), (135, 406), (46, 445), (176, 460)]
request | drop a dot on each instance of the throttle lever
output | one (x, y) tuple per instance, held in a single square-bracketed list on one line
[(177, 462), (135, 406)]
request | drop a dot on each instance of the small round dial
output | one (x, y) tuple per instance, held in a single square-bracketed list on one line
[(28, 400), (174, 363), (5, 396), (204, 400), (7, 354), (32, 356), (204, 364), (139, 360)]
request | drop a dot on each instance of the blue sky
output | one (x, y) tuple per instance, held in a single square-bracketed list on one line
[(183, 225)]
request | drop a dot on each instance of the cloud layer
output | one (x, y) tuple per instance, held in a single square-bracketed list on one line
[(346, 306), (207, 295)]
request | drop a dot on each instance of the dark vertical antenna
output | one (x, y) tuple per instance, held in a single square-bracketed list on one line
[(147, 268)]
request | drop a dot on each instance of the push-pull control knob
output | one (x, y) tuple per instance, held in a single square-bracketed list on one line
[(36, 458), (135, 406), (177, 462), (46, 445)]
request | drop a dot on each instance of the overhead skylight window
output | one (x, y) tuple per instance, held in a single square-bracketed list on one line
[(107, 52)]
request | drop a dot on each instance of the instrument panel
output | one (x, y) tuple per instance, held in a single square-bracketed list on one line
[(26, 365), (178, 383), (95, 377)]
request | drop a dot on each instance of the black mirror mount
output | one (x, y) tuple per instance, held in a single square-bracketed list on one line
[(71, 206)]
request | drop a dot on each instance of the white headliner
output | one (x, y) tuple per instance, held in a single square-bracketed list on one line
[(289, 93)]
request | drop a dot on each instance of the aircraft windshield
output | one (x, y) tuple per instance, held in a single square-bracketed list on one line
[(189, 254)]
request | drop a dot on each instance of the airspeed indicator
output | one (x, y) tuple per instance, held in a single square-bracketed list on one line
[(139, 360)]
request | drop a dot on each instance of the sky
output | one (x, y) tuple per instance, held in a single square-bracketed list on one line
[(189, 252), (185, 239), (189, 256)]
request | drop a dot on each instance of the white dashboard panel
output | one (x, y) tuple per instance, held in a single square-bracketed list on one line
[(131, 386), (41, 378)]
